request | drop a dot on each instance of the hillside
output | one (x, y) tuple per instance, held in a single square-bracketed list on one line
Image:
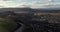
[(28, 10)]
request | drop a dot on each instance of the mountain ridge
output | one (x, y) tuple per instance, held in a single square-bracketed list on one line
[(30, 9)]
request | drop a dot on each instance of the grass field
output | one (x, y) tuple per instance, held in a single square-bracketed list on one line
[(7, 26), (55, 14)]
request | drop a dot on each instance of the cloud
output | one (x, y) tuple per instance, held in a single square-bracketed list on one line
[(26, 3), (33, 4)]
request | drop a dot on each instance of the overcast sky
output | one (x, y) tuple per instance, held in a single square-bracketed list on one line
[(27, 3)]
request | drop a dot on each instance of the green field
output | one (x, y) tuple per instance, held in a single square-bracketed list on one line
[(55, 14), (6, 25)]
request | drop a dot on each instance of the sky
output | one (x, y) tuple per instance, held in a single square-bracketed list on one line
[(29, 3)]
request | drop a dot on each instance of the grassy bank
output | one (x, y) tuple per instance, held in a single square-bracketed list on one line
[(6, 25)]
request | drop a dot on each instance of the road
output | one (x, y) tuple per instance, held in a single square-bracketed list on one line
[(20, 29)]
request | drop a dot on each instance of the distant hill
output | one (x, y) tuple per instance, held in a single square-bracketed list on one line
[(28, 10)]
